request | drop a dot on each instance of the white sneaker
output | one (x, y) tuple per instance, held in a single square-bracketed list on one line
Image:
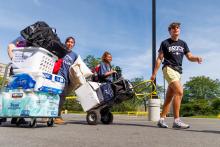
[(161, 124), (180, 125)]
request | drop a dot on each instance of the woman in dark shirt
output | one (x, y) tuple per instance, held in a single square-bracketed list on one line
[(106, 72)]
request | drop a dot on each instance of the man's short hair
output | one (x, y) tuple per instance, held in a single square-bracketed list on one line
[(173, 25)]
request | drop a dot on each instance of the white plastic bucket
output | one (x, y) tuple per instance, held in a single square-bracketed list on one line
[(154, 109)]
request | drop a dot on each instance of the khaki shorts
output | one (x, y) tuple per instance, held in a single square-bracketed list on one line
[(171, 75)]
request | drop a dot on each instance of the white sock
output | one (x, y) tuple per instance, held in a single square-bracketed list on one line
[(176, 120), (162, 118)]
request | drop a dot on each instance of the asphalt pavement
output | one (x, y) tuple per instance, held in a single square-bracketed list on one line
[(126, 131)]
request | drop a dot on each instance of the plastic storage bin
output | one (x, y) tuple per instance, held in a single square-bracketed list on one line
[(33, 59), (87, 95)]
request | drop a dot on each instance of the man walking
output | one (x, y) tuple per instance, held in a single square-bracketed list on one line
[(171, 52)]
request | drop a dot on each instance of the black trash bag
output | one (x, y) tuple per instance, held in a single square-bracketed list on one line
[(123, 90), (40, 34)]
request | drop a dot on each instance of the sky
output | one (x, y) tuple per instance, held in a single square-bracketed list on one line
[(122, 27)]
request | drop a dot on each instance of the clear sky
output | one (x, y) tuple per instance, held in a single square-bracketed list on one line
[(122, 27)]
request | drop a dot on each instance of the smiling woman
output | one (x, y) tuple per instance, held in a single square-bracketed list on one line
[(171, 52)]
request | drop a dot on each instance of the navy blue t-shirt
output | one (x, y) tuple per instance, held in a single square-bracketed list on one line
[(68, 60), (173, 53), (104, 68)]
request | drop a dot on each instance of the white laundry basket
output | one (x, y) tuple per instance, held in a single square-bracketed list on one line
[(33, 59)]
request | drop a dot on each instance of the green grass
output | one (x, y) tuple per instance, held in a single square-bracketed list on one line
[(205, 116)]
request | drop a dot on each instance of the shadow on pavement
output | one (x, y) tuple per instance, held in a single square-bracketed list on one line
[(26, 126), (143, 125), (137, 125), (203, 131), (115, 124), (76, 122)]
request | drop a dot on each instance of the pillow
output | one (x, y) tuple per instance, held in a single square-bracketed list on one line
[(86, 72)]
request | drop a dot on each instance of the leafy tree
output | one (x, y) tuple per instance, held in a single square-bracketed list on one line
[(137, 80), (201, 87), (215, 104), (91, 61), (201, 107), (1, 79), (160, 91), (72, 105), (196, 107)]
